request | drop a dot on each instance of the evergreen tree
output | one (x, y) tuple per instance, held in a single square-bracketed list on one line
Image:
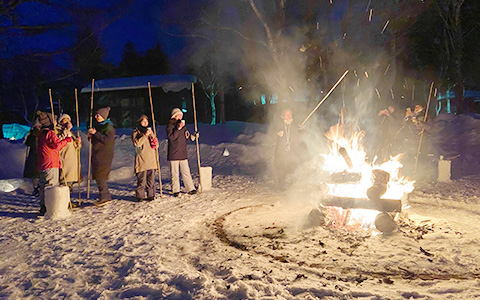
[(156, 61)]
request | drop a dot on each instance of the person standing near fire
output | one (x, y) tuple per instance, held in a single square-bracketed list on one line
[(146, 144), (421, 157), (68, 154), (102, 137), (48, 157), (389, 123), (287, 147), (178, 135)]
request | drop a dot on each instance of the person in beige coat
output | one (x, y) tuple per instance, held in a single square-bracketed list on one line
[(68, 155), (146, 144)]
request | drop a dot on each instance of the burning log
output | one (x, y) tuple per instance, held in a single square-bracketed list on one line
[(383, 205), (380, 181), (315, 218), (344, 177), (346, 157), (385, 223)]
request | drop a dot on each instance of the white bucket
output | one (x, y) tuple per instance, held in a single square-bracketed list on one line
[(205, 178), (56, 201), (444, 170)]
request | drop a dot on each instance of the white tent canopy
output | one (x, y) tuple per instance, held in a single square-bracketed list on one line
[(169, 83)]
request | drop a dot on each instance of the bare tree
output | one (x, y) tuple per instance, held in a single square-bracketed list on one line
[(450, 13)]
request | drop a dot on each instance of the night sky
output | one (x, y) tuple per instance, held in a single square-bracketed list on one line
[(143, 26), (141, 23)]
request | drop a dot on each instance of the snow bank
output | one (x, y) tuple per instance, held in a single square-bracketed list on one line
[(12, 159), (457, 138)]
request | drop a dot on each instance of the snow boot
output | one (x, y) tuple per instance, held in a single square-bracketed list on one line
[(43, 210)]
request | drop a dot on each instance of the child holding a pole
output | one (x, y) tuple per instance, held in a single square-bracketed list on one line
[(48, 157), (178, 135), (287, 150), (102, 137), (145, 143)]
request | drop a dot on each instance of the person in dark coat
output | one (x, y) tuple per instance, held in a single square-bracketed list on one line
[(102, 137), (48, 157), (287, 150), (30, 169), (388, 123), (178, 135)]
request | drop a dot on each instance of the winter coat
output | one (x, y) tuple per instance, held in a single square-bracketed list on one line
[(69, 157), (48, 147), (288, 147), (145, 150), (103, 144), (177, 141), (30, 169)]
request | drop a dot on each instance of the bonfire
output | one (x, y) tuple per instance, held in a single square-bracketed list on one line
[(361, 194)]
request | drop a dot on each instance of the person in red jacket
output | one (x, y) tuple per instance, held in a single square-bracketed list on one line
[(48, 157)]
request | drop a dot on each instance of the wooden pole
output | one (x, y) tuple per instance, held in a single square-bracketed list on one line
[(196, 139), (423, 130), (78, 149), (51, 106), (324, 98), (155, 133), (90, 144), (55, 125)]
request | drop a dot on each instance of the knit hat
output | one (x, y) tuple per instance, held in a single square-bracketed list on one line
[(64, 116), (176, 111), (141, 118), (45, 119), (103, 112)]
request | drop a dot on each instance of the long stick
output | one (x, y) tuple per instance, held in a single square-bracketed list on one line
[(55, 125), (155, 133), (196, 139), (51, 106), (90, 144), (423, 130), (326, 96), (78, 149)]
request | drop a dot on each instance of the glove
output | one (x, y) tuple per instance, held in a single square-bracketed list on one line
[(194, 136), (153, 142)]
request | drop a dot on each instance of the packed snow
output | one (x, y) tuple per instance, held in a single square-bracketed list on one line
[(244, 238)]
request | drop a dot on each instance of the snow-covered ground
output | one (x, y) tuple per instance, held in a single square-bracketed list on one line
[(241, 240)]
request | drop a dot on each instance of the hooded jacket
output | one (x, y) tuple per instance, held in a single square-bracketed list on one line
[(103, 144), (48, 147)]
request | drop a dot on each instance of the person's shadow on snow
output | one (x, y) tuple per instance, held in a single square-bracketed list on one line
[(18, 204)]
